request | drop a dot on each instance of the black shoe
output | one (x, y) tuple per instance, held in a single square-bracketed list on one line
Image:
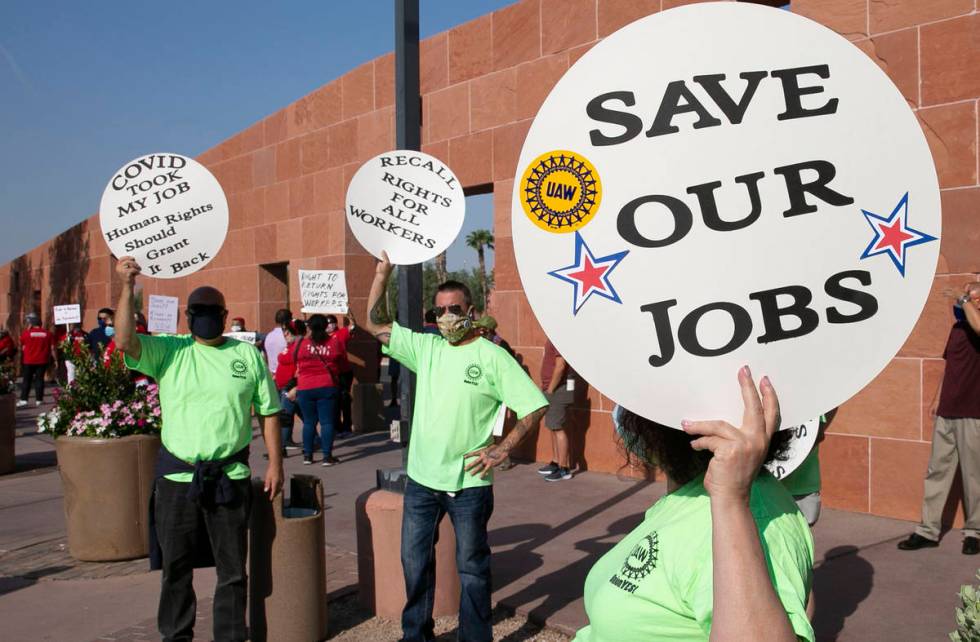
[(971, 545), (547, 470), (915, 541), (307, 460), (330, 461), (559, 475)]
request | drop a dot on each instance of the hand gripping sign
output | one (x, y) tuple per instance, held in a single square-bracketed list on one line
[(758, 193), (406, 203), (166, 210)]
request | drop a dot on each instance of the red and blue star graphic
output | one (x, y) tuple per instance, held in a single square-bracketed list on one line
[(893, 236), (589, 275)]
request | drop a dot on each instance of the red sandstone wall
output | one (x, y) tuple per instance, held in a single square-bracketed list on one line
[(482, 83)]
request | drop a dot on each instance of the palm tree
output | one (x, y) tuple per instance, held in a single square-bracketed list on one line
[(441, 270), (478, 240)]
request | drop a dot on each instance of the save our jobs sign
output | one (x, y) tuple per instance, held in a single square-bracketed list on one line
[(406, 203), (718, 185), (166, 210), (323, 291)]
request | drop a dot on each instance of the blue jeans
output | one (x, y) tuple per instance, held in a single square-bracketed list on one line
[(318, 404), (470, 512), (287, 411)]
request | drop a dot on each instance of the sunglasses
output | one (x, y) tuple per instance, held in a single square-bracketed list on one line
[(199, 309), (440, 310)]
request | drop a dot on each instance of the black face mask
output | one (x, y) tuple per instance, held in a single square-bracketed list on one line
[(207, 325)]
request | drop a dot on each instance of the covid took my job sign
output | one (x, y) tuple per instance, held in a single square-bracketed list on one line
[(167, 211), (720, 185)]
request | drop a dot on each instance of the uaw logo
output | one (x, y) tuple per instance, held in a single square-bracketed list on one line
[(473, 374), (641, 560), (238, 369), (561, 191)]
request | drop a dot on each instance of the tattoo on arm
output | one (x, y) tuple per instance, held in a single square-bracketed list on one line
[(376, 316), (521, 429)]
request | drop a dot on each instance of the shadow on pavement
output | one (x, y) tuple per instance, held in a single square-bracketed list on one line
[(11, 584), (515, 563), (840, 584)]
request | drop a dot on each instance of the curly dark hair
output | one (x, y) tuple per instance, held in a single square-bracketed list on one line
[(670, 449)]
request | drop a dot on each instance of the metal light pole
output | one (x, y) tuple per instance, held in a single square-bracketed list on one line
[(408, 107)]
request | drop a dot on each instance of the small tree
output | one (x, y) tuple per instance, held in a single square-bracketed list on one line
[(479, 240)]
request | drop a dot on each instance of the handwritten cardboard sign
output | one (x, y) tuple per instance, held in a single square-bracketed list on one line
[(406, 203), (166, 210), (162, 314), (323, 291), (742, 200), (64, 314)]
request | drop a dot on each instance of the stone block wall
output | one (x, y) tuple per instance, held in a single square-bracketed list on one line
[(482, 82)]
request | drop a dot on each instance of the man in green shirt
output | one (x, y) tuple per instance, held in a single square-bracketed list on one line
[(462, 382), (209, 385)]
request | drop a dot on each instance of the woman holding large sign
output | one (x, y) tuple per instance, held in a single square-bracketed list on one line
[(700, 561), (743, 200)]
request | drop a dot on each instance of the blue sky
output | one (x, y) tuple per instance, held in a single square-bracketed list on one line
[(85, 87)]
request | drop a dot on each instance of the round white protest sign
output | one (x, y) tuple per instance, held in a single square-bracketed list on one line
[(801, 442), (166, 210), (405, 203), (721, 185)]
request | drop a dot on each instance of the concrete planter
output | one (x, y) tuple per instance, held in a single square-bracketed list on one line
[(107, 485), (8, 420)]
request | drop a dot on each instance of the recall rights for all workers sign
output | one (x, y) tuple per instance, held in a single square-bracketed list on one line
[(726, 184), (166, 210), (405, 203)]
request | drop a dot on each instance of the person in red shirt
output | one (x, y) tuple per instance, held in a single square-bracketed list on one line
[(8, 349), (79, 350), (112, 351), (316, 389), (38, 350), (338, 353)]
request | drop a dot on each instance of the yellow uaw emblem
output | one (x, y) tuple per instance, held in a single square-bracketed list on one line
[(560, 191)]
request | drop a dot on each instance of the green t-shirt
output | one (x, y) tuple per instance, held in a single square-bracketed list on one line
[(206, 396), (656, 584), (805, 479), (457, 396)]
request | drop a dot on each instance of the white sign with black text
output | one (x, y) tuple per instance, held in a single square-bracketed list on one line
[(167, 211), (161, 314), (801, 443), (405, 203), (323, 291), (703, 191), (64, 314)]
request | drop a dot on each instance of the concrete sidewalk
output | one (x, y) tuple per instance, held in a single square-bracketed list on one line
[(545, 538)]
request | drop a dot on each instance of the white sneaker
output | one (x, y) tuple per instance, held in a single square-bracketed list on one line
[(37, 403), (21, 403)]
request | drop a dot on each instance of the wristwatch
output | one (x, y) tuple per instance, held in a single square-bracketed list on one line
[(963, 300)]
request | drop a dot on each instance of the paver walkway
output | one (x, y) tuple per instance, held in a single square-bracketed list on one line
[(545, 538)]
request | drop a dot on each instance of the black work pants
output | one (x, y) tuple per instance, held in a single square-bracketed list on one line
[(177, 521), (32, 373)]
